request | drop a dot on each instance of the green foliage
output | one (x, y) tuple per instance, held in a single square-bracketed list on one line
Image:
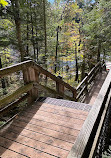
[(82, 22), (97, 29), (5, 55)]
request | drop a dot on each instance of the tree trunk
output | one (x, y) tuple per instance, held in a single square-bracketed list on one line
[(56, 49), (83, 66), (27, 48), (32, 30), (76, 78), (99, 49), (16, 12), (45, 31)]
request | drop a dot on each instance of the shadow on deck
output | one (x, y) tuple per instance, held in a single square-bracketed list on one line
[(45, 130)]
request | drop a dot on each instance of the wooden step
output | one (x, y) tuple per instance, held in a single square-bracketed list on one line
[(47, 129)]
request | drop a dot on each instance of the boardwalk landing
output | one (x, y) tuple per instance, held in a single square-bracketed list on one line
[(48, 129)]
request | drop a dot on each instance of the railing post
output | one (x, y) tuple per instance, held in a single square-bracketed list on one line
[(31, 75), (59, 88)]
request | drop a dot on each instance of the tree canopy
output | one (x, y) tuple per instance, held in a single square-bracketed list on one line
[(57, 34)]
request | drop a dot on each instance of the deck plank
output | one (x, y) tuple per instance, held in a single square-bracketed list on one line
[(5, 153), (37, 145), (22, 149), (48, 125), (42, 138), (44, 130)]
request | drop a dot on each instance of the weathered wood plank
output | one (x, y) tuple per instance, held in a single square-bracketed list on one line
[(22, 149), (9, 98), (41, 137), (8, 153), (14, 68)]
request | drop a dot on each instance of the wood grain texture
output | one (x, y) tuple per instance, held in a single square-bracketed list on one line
[(42, 131)]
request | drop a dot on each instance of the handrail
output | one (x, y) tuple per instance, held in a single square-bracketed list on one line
[(14, 68), (45, 88), (31, 73), (20, 66), (85, 141), (83, 86), (9, 98), (53, 77)]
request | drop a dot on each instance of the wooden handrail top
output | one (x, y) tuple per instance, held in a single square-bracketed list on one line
[(89, 75), (20, 66), (93, 69), (14, 68), (53, 77)]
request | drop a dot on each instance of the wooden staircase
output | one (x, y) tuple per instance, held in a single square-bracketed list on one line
[(47, 129)]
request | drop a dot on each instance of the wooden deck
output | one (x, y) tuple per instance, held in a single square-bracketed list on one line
[(48, 129)]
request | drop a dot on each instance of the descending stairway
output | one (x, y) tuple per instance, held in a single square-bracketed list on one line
[(47, 129)]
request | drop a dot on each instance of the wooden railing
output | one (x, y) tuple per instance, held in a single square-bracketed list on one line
[(31, 72), (87, 140), (85, 85)]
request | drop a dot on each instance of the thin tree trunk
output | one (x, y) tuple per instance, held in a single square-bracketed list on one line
[(45, 30), (37, 46), (33, 41), (76, 77), (27, 48), (56, 49), (83, 66)]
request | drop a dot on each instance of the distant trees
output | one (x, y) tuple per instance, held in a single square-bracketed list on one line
[(47, 33), (96, 30), (29, 26)]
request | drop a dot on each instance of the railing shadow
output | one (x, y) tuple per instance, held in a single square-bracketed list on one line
[(11, 132)]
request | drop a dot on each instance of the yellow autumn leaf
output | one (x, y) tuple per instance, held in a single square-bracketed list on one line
[(4, 3), (81, 55)]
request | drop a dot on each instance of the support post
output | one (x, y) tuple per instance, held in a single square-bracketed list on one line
[(31, 75), (59, 87)]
